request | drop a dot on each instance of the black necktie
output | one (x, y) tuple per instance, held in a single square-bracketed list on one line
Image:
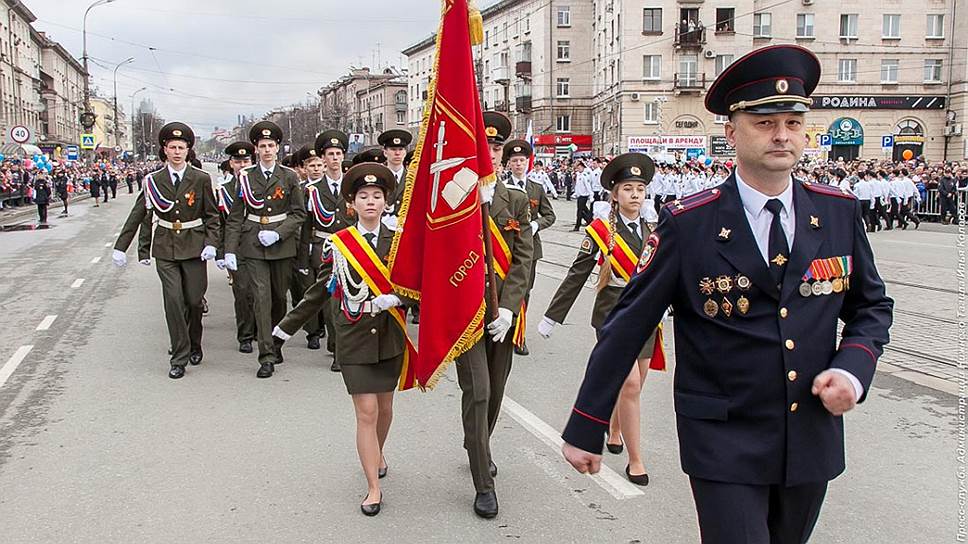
[(370, 237), (174, 176), (778, 252), (268, 174), (633, 226)]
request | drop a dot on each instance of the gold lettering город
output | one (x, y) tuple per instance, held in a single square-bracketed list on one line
[(464, 268)]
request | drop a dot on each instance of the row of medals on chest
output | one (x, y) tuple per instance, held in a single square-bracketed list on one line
[(724, 284)]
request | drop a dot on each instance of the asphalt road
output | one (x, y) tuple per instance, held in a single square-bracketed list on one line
[(98, 445)]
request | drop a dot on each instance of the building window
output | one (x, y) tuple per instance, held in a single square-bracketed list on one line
[(762, 25), (805, 25), (494, 34), (891, 27), (889, 69), (527, 22), (652, 20), (721, 119), (564, 51), (650, 113), (562, 85), (935, 26), (563, 123), (487, 39), (932, 71), (652, 67), (564, 16), (725, 20), (722, 61), (400, 118), (848, 25), (688, 71), (847, 71), (504, 32)]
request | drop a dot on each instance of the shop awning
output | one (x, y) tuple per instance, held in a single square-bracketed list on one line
[(20, 150)]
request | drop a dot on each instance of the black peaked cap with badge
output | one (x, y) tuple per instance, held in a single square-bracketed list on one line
[(395, 138), (305, 153), (331, 138), (346, 165), (265, 130), (774, 79), (517, 148), (497, 127), (176, 131), (367, 174), (240, 150), (374, 154), (628, 167)]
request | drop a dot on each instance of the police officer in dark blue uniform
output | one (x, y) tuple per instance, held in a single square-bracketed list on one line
[(758, 271)]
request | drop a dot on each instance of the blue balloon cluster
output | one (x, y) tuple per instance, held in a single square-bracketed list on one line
[(42, 162)]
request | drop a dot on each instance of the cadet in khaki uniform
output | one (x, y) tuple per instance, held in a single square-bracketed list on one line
[(331, 145), (180, 195), (370, 343), (308, 163), (626, 177), (241, 155), (483, 370), (263, 229), (542, 213), (395, 143)]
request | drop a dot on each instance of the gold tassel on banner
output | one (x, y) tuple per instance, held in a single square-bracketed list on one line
[(475, 23)]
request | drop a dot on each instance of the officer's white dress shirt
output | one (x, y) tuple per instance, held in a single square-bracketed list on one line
[(172, 173), (583, 184)]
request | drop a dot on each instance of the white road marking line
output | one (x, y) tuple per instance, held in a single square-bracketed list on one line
[(108, 244), (13, 362), (617, 486), (77, 283), (46, 323), (95, 260)]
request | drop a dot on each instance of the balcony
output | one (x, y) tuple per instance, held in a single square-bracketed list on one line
[(501, 74), (400, 107), (689, 39), (690, 82), (522, 104), (523, 69)]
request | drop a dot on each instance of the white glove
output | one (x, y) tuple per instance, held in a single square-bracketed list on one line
[(487, 193), (280, 334), (545, 327), (145, 262), (534, 227), (230, 262), (390, 221), (304, 271), (268, 237), (208, 253), (220, 264), (385, 302), (119, 258), (498, 329)]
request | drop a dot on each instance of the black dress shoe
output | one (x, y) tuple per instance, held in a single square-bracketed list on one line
[(312, 342), (523, 350), (371, 509), (265, 370), (176, 372), (416, 318), (492, 468), (245, 346), (382, 473), (335, 367), (485, 505), (195, 358), (637, 479), (615, 448)]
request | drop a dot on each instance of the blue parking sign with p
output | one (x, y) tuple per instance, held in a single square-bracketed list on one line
[(887, 142)]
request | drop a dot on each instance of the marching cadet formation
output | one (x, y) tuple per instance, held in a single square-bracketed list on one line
[(758, 270)]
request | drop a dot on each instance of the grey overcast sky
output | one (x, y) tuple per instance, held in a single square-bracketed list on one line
[(207, 61)]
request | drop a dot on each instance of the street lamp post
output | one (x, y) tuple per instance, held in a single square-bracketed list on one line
[(132, 118), (87, 77), (128, 60)]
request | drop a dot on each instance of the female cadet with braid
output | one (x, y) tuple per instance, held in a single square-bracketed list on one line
[(616, 245)]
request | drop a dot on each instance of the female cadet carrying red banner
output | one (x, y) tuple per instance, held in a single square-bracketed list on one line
[(616, 245)]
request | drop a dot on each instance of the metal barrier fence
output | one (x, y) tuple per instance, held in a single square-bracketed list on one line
[(931, 206)]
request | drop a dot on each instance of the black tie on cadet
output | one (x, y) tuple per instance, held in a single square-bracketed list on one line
[(370, 237), (636, 237)]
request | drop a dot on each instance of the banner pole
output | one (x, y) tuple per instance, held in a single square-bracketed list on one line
[(491, 294)]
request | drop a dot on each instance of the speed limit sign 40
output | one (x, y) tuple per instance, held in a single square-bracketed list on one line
[(20, 134)]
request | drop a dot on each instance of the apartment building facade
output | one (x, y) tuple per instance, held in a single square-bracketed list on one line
[(364, 104)]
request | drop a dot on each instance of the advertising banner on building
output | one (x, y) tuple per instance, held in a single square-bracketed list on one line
[(665, 143)]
